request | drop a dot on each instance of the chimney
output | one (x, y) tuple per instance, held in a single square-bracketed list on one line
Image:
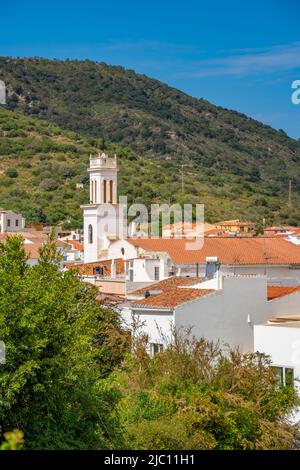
[(212, 267)]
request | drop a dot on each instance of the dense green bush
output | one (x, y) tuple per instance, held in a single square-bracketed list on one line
[(11, 173), (59, 344), (194, 396), (69, 381)]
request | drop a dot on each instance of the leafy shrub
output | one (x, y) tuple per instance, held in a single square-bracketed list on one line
[(11, 173)]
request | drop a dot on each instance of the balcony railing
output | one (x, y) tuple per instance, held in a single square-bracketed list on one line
[(103, 161)]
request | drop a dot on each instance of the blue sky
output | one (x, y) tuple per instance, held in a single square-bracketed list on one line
[(240, 55)]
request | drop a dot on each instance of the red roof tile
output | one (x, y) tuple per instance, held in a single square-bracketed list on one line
[(274, 292), (230, 251), (76, 244), (168, 284), (172, 298), (32, 249)]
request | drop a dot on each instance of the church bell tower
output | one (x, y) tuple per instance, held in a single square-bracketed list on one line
[(101, 215)]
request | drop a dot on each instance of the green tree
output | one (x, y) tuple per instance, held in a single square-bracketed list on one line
[(56, 353)]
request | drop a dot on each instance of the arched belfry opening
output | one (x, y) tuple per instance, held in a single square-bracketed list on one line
[(111, 191), (95, 192), (104, 191)]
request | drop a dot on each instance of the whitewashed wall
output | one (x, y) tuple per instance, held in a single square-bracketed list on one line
[(14, 219), (279, 275), (90, 249), (115, 250), (287, 305), (227, 315), (282, 344), (152, 324)]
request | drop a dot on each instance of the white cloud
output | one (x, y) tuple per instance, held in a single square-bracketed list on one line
[(250, 62)]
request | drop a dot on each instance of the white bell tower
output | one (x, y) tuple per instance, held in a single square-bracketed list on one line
[(103, 179), (101, 215)]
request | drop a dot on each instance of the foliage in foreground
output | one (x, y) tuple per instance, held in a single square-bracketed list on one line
[(193, 396), (66, 384), (13, 440), (51, 385)]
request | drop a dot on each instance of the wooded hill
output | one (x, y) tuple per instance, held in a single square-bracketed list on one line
[(237, 166)]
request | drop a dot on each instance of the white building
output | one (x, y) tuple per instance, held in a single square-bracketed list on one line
[(223, 309), (103, 215), (72, 250), (66, 235), (294, 238), (279, 337), (242, 312), (11, 222), (275, 258)]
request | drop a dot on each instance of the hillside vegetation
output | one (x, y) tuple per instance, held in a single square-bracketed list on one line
[(235, 165), (40, 165)]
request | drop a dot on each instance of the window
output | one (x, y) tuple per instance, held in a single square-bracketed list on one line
[(104, 191), (90, 234), (8, 222), (99, 270), (123, 251), (95, 193), (92, 192), (111, 191), (17, 222), (156, 273), (285, 376), (156, 348)]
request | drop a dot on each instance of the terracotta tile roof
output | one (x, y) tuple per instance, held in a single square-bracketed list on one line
[(281, 227), (110, 299), (75, 244), (187, 226), (172, 298), (32, 249), (235, 222), (32, 234), (60, 244), (32, 244), (168, 284), (230, 251), (89, 269), (274, 292), (216, 232)]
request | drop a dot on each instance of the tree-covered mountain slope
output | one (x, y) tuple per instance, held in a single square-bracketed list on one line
[(234, 164), (40, 166)]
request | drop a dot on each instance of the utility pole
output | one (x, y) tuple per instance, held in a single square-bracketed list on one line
[(182, 180), (290, 193)]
